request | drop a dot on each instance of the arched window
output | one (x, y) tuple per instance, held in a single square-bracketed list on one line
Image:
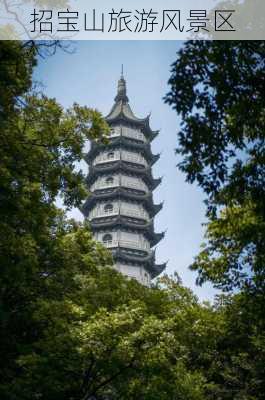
[(109, 180), (107, 238), (108, 208), (110, 155)]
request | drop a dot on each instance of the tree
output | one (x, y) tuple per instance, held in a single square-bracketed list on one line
[(16, 66), (40, 143), (217, 88), (118, 348), (238, 369)]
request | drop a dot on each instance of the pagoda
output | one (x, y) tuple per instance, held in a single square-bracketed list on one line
[(120, 207)]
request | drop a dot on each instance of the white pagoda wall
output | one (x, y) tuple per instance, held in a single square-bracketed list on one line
[(119, 180), (119, 207), (132, 133), (131, 240), (116, 155), (136, 272)]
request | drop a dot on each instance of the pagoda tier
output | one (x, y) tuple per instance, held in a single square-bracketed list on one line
[(127, 169), (121, 112), (130, 224), (120, 208), (123, 143), (121, 193), (148, 261)]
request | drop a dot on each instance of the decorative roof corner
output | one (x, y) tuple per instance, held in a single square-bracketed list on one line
[(155, 158), (159, 268), (157, 237), (156, 182), (154, 134), (157, 208)]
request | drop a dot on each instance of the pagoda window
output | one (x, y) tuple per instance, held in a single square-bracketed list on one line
[(107, 239), (109, 180), (115, 131), (108, 208)]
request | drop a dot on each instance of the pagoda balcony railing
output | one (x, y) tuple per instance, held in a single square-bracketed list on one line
[(134, 159), (124, 157), (104, 159), (136, 135), (127, 244), (132, 214), (102, 186)]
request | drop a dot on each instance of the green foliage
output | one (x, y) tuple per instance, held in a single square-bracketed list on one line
[(234, 255), (40, 143), (73, 328), (238, 370), (16, 66), (126, 351), (218, 89)]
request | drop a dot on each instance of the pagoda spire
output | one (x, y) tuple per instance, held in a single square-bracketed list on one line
[(122, 92)]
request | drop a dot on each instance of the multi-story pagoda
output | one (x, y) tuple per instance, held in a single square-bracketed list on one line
[(120, 208)]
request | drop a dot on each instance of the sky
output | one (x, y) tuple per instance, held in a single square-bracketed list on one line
[(89, 76)]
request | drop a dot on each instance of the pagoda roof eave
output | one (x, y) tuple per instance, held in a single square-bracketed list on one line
[(148, 261), (119, 220), (158, 269), (118, 253), (118, 165), (155, 158), (142, 123), (156, 182), (122, 110)]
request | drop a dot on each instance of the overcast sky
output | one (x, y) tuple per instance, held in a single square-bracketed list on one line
[(89, 77)]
